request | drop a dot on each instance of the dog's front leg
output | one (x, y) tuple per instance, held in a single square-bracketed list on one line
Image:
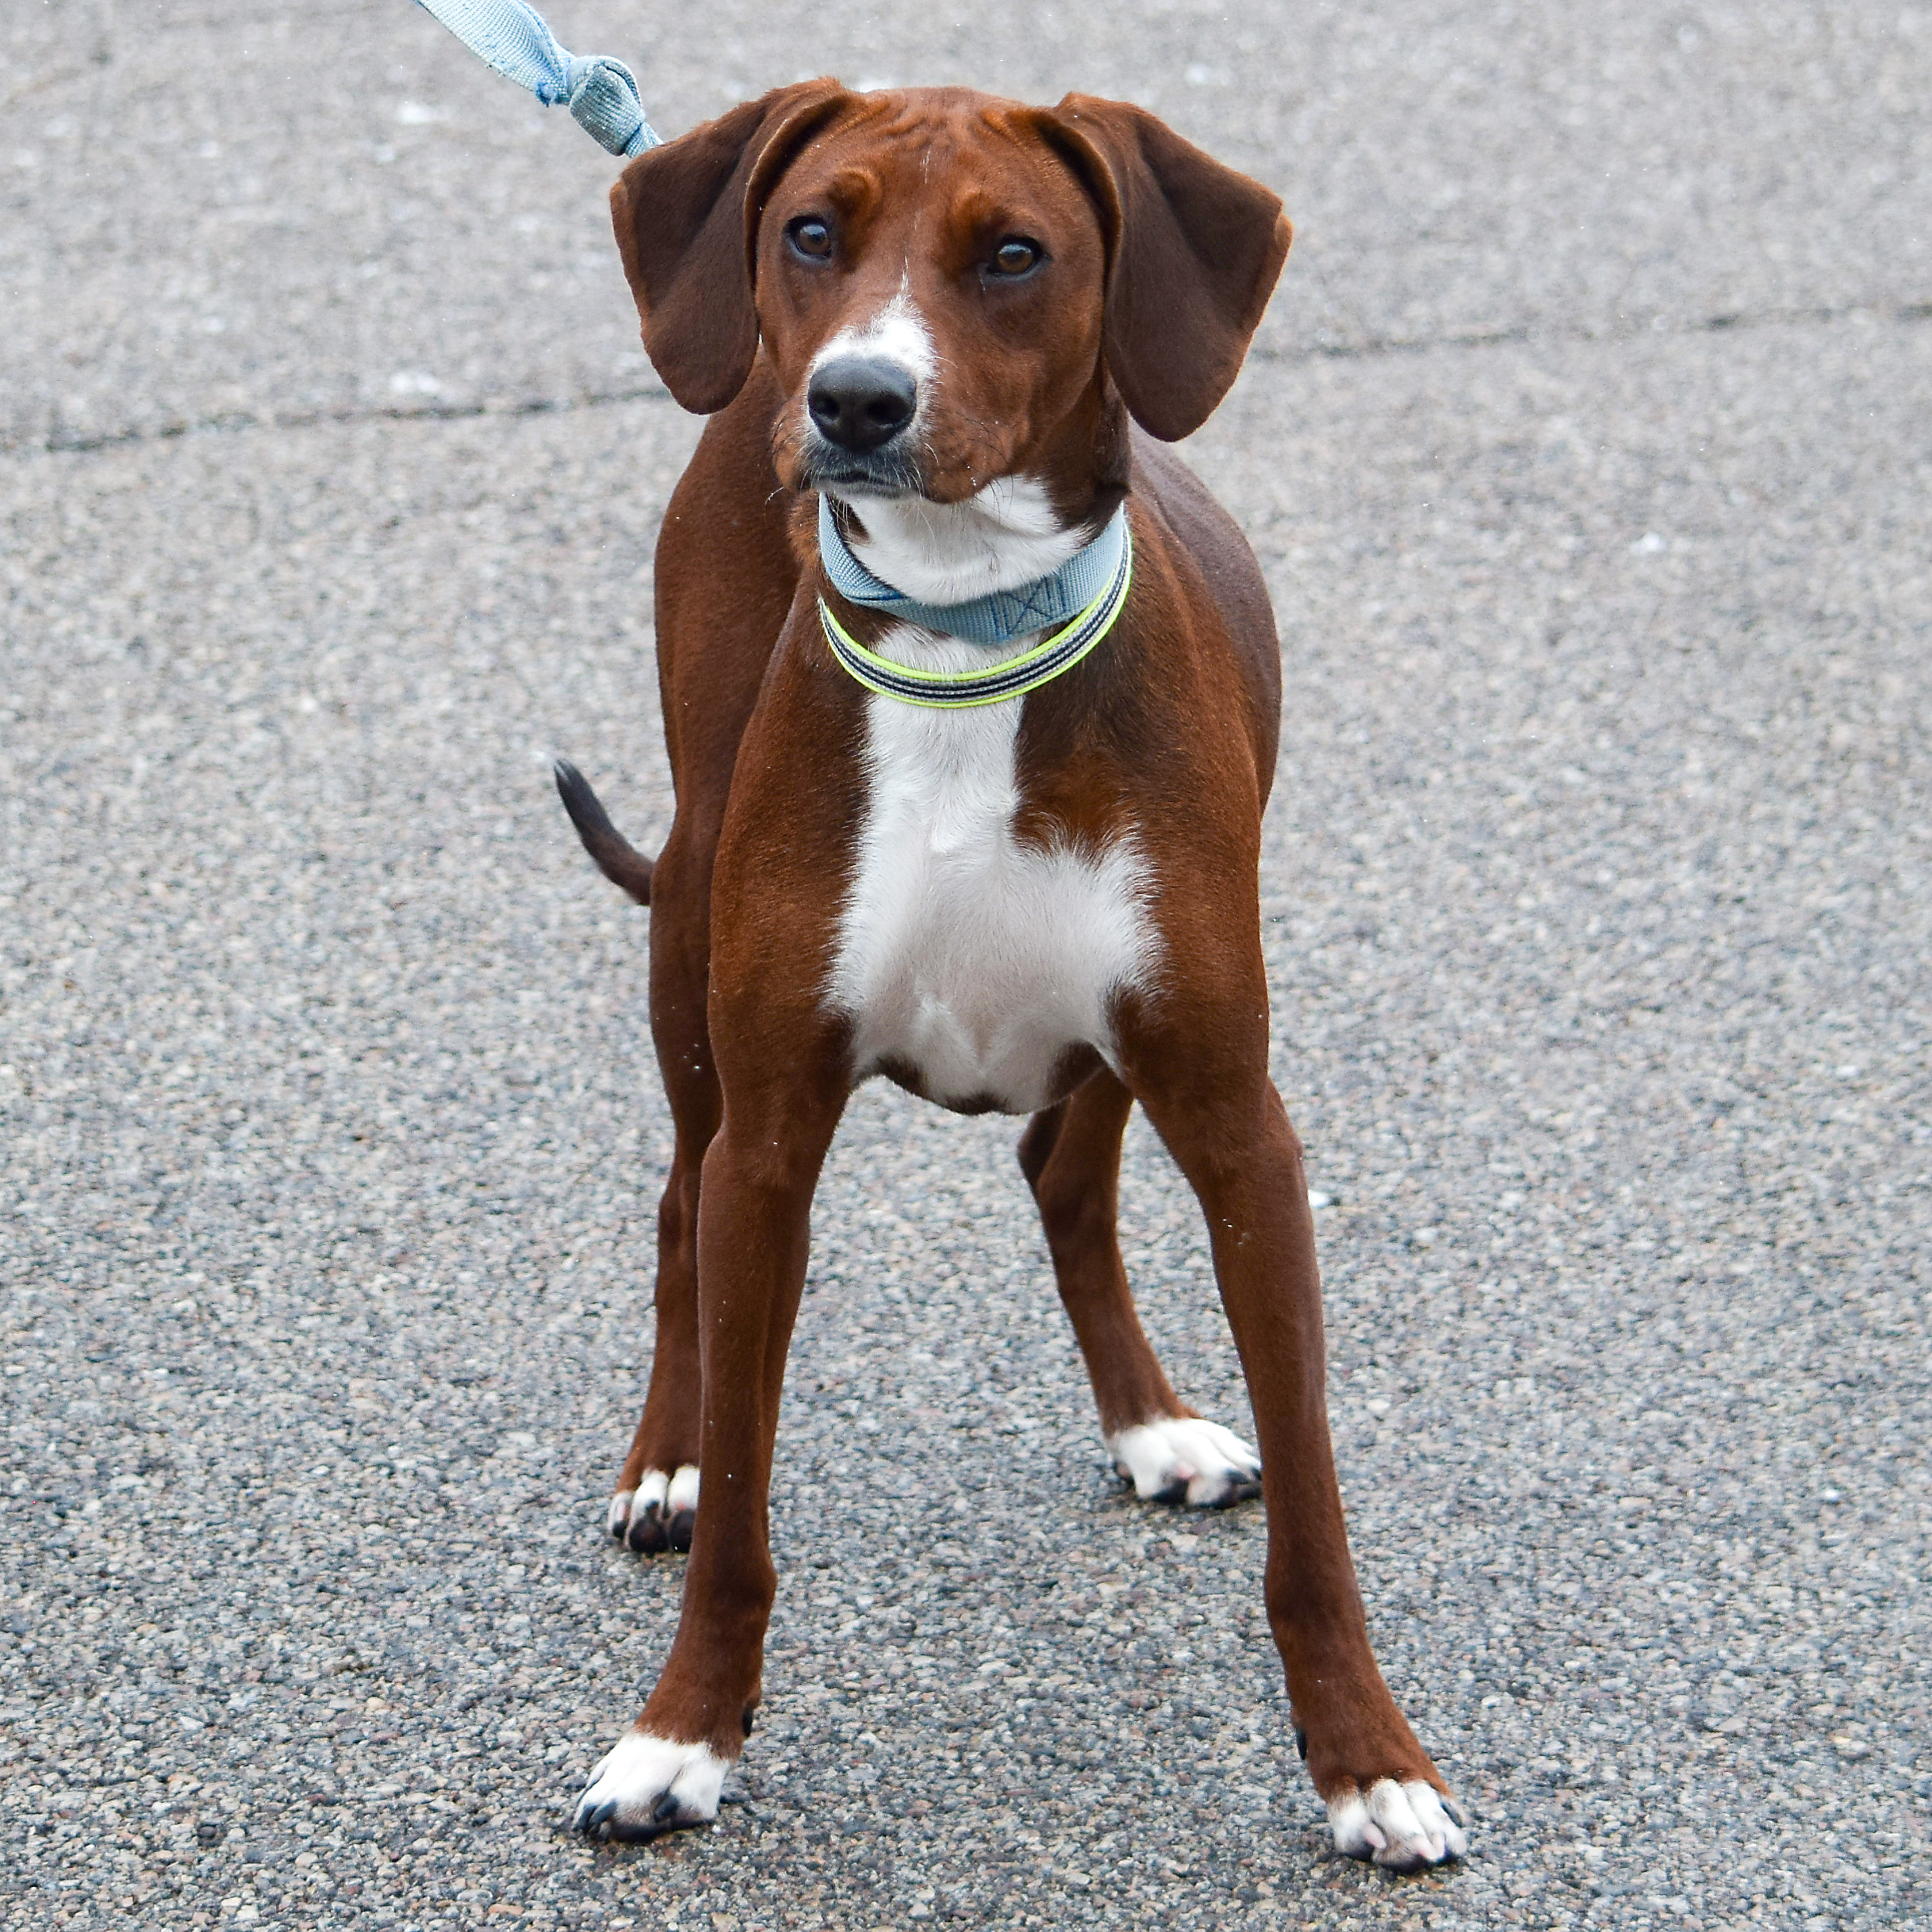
[(754, 1221), (1207, 1093)]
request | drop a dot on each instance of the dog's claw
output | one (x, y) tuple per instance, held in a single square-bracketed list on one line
[(1235, 1493), (591, 1820)]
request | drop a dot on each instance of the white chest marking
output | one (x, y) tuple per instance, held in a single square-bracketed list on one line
[(977, 960)]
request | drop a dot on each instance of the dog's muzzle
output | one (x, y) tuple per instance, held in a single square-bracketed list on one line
[(859, 441)]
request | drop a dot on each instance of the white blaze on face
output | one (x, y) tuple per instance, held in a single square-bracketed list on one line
[(898, 334)]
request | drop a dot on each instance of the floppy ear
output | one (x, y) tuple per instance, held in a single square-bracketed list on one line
[(1193, 249), (686, 215)]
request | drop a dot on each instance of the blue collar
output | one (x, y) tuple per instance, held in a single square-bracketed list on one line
[(998, 618)]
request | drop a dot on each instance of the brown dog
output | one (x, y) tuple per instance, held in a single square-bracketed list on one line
[(966, 326)]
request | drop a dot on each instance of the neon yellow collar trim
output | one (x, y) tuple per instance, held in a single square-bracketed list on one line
[(1013, 677)]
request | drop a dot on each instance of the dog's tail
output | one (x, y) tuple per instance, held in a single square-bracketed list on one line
[(617, 858)]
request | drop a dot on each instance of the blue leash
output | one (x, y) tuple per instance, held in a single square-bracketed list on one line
[(601, 93)]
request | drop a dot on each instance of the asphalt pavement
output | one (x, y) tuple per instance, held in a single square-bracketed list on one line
[(1588, 448)]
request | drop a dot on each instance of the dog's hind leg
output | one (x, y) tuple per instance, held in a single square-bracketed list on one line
[(723, 585), (1070, 1155), (655, 1504)]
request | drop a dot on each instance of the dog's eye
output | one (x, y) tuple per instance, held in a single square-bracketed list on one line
[(811, 237), (1014, 256)]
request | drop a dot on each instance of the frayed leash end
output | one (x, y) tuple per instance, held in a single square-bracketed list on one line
[(604, 102)]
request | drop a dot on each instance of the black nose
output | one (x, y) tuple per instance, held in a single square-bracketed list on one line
[(861, 402)]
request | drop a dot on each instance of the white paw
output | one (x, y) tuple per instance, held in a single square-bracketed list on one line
[(1402, 1826), (647, 1785), (658, 1514), (1182, 1459)]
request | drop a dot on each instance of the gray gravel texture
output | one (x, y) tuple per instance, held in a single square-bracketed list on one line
[(1587, 451)]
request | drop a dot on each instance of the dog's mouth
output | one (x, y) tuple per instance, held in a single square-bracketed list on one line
[(906, 469), (889, 470), (892, 471)]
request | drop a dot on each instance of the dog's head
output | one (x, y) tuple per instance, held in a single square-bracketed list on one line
[(946, 284)]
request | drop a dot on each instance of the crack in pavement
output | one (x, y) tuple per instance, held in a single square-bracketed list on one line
[(239, 421)]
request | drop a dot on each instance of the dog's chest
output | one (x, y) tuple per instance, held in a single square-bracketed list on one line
[(970, 959)]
